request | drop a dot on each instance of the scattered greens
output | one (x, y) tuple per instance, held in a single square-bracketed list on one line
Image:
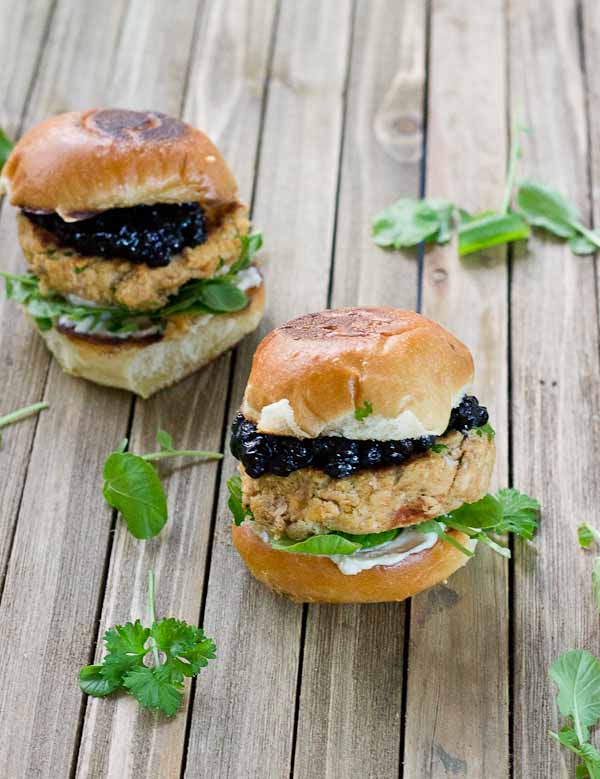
[(586, 535), (363, 411), (21, 413), (409, 222), (509, 511), (132, 485), (236, 506), (5, 148), (486, 430), (216, 295), (149, 663), (577, 676)]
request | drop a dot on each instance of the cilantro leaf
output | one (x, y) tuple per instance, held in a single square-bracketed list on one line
[(520, 513), (178, 650), (362, 412), (155, 688), (235, 503)]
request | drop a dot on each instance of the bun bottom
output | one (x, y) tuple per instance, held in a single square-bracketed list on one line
[(311, 579), (146, 368)]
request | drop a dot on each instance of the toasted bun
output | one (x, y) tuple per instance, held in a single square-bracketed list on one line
[(82, 162), (310, 375), (146, 368), (311, 579)]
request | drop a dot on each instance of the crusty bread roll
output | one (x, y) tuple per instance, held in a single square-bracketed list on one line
[(81, 162), (310, 375), (145, 368), (308, 578)]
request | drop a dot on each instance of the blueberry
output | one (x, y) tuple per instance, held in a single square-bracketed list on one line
[(468, 414), (370, 454)]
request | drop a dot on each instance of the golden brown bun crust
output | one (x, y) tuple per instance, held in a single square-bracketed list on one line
[(145, 368), (308, 501), (328, 364), (311, 579), (79, 162)]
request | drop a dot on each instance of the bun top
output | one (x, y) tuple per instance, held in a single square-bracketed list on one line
[(83, 162), (310, 375)]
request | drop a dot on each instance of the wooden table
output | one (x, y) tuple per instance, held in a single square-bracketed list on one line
[(326, 110)]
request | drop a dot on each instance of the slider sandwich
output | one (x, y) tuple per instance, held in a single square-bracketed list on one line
[(140, 257), (364, 460)]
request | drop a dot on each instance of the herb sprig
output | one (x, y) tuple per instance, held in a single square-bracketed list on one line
[(133, 487), (150, 664), (409, 222), (21, 413), (364, 411)]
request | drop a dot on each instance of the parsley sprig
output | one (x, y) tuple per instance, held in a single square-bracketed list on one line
[(21, 413), (150, 664), (133, 487)]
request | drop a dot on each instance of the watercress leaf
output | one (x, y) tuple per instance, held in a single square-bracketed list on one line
[(370, 540), (132, 486), (327, 544), (93, 683), (362, 412), (405, 223), (520, 513), (165, 441), (235, 503), (154, 688), (5, 148), (483, 232), (544, 207), (581, 245), (222, 296), (577, 675)]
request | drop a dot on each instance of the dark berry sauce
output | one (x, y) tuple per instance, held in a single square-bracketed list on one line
[(142, 234), (338, 457)]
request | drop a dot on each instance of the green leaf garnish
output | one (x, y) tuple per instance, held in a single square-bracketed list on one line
[(133, 487), (586, 535), (577, 675), (6, 147), (439, 448), (408, 222), (177, 649), (362, 412), (334, 543), (490, 230), (486, 430), (235, 503)]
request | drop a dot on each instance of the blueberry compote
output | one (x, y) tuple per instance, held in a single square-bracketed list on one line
[(338, 457), (142, 234)]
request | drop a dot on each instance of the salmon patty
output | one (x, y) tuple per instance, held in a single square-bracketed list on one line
[(110, 282), (309, 502)]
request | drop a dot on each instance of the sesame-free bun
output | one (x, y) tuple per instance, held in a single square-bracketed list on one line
[(190, 343), (308, 578), (310, 375), (82, 162)]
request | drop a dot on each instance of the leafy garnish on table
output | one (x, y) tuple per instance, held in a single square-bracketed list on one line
[(149, 663), (133, 487)]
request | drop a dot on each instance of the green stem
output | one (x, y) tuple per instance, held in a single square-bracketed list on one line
[(21, 413), (152, 610), (589, 234), (515, 153), (181, 453)]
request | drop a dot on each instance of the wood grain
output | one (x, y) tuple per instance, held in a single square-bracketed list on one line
[(120, 740), (243, 714), (555, 379), (351, 692), (457, 704)]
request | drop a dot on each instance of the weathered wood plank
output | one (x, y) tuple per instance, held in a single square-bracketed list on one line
[(556, 374), (193, 411), (244, 709), (457, 704), (351, 693), (57, 566), (23, 28)]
